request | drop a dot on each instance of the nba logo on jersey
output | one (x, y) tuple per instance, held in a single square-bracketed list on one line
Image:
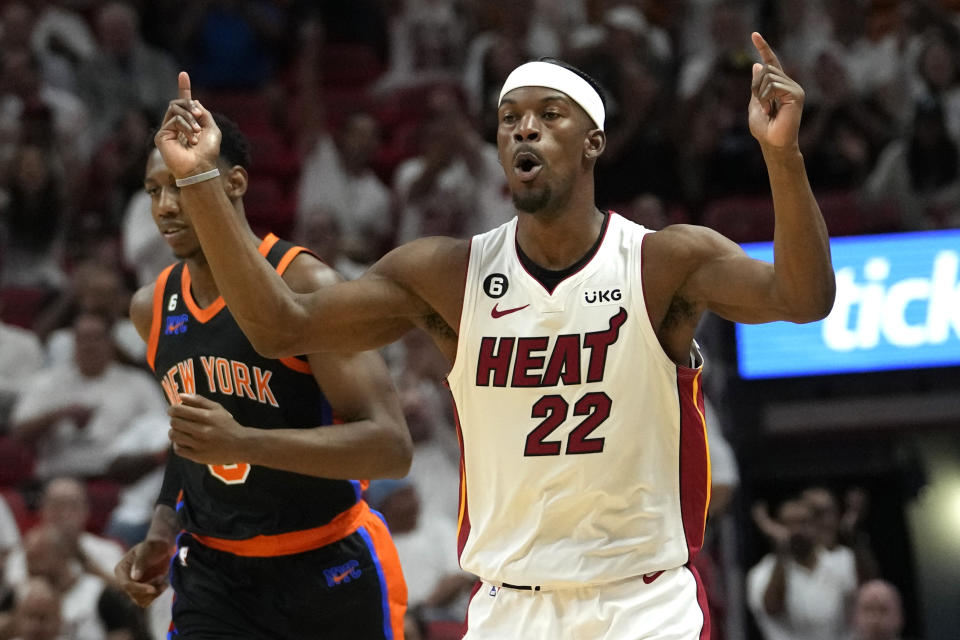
[(175, 325)]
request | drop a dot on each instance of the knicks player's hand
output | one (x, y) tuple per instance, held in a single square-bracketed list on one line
[(776, 102), (189, 138), (203, 431), (142, 572)]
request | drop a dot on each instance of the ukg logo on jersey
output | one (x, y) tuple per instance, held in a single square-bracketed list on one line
[(897, 307), (871, 306)]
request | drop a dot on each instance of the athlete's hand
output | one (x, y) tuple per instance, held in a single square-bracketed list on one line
[(142, 572), (776, 101), (189, 138), (203, 431)]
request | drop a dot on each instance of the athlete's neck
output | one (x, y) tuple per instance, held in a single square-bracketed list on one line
[(558, 242)]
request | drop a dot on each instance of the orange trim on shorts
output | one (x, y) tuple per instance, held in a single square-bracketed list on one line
[(159, 287), (204, 314), (284, 544), (386, 553)]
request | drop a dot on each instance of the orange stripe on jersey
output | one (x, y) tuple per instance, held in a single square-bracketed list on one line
[(386, 554), (301, 366), (154, 339), (288, 257), (201, 314), (292, 363), (283, 544), (206, 313), (267, 243)]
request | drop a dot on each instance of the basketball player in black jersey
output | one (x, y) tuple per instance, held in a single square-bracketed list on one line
[(260, 520)]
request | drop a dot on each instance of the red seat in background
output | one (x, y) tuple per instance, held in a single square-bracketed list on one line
[(16, 462)]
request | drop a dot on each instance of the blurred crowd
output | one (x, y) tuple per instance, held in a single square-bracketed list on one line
[(372, 123)]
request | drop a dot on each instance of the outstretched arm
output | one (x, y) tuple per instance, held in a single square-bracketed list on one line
[(352, 316), (799, 286)]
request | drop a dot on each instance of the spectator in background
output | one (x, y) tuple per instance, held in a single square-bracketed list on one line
[(337, 183), (456, 186), (125, 72), (841, 538), (794, 592), (937, 79), (33, 111), (91, 609), (97, 289), (919, 172), (36, 612), (136, 460), (114, 173), (427, 42), (427, 549), (62, 39), (419, 373), (845, 130), (65, 505), (639, 156), (33, 219), (877, 612), (145, 252), (21, 356), (71, 412)]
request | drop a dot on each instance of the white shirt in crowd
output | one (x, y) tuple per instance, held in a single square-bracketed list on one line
[(816, 600)]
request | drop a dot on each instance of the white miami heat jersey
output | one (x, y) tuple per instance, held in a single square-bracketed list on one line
[(584, 454)]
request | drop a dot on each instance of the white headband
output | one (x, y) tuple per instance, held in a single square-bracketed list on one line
[(553, 76)]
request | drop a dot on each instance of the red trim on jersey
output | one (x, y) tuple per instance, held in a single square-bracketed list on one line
[(156, 321), (694, 459), (605, 229), (283, 544), (473, 594), (702, 601), (463, 513), (205, 314)]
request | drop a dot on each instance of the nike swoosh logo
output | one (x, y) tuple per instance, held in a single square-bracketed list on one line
[(496, 313), (650, 577), (343, 575)]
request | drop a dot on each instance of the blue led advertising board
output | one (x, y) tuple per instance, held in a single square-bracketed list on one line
[(897, 307)]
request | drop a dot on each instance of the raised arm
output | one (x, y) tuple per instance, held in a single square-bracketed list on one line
[(711, 272), (358, 315)]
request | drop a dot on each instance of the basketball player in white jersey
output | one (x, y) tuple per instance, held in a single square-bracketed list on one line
[(584, 468)]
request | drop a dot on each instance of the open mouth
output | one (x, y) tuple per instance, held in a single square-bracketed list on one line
[(526, 165), (172, 231)]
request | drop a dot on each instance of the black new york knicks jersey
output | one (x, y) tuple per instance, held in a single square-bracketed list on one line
[(203, 351)]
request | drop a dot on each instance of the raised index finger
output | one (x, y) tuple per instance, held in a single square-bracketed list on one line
[(763, 48), (183, 86)]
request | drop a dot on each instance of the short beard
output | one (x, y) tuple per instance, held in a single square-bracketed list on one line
[(532, 200)]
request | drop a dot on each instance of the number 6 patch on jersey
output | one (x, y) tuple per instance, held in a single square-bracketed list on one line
[(235, 473)]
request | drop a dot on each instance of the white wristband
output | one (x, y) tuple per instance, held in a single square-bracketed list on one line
[(199, 177)]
